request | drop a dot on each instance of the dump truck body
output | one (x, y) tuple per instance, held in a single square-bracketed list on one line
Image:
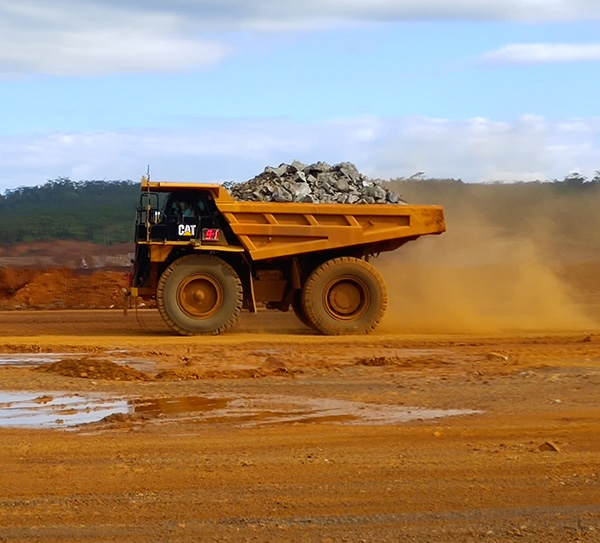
[(267, 253)]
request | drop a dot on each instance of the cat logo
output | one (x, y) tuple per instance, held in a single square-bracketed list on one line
[(187, 230)]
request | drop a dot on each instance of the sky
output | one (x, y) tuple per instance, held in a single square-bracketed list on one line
[(215, 90)]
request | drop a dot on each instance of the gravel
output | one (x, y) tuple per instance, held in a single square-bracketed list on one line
[(314, 183)]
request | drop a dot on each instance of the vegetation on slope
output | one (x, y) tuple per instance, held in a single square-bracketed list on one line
[(97, 211), (103, 211)]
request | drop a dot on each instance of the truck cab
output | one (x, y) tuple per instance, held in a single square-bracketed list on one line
[(174, 219), (178, 216)]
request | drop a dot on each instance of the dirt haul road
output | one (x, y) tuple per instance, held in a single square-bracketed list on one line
[(281, 435)]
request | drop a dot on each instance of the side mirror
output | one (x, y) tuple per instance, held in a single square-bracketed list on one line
[(156, 217)]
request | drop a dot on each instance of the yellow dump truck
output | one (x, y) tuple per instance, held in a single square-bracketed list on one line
[(204, 257)]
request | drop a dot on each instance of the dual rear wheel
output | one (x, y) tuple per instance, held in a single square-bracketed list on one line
[(344, 295)]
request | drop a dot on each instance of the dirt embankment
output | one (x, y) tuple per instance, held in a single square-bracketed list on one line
[(65, 254), (62, 275), (60, 289)]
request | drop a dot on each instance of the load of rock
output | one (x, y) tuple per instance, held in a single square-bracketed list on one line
[(314, 183)]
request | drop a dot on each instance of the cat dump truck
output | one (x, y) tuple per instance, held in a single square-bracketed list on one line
[(204, 257)]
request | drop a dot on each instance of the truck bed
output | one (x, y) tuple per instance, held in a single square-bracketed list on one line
[(271, 230)]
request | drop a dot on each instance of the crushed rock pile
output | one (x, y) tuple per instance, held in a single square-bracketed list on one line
[(315, 183)]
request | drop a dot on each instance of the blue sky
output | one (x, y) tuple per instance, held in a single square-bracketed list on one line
[(216, 90)]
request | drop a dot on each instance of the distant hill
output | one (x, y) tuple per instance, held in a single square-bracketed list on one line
[(103, 212), (98, 211)]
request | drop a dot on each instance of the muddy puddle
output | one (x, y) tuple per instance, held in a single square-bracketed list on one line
[(262, 410), (21, 360), (61, 410), (55, 410)]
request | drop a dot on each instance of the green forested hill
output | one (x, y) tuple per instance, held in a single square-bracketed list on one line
[(104, 211), (98, 211)]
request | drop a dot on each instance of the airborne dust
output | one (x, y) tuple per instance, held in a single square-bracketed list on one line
[(478, 278)]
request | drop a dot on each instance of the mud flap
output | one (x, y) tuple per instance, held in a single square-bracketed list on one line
[(127, 296)]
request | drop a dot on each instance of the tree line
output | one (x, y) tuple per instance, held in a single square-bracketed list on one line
[(104, 211), (98, 211)]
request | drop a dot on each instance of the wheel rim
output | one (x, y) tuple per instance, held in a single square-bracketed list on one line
[(200, 296), (346, 298)]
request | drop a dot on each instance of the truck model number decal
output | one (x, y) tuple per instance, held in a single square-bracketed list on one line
[(210, 234)]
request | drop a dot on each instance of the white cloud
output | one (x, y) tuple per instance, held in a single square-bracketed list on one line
[(112, 36), (83, 38), (269, 14), (479, 149), (544, 53)]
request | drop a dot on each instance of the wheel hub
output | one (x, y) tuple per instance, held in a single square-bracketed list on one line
[(200, 296), (346, 299)]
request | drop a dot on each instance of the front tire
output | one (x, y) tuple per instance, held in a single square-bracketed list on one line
[(199, 294), (344, 296)]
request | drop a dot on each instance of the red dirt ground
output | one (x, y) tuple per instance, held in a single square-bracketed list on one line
[(256, 451)]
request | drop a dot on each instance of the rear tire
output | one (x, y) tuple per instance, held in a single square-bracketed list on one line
[(344, 296), (199, 294)]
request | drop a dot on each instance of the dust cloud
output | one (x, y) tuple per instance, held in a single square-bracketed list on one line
[(477, 279)]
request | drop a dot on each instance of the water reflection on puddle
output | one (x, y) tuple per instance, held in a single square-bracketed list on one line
[(177, 406), (60, 410), (287, 409), (35, 410), (29, 359)]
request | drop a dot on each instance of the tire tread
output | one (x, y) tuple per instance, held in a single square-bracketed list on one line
[(160, 294), (318, 274)]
